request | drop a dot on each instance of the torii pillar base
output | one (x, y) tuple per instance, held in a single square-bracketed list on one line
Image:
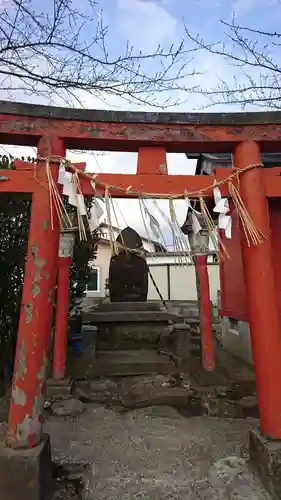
[(265, 456), (26, 473)]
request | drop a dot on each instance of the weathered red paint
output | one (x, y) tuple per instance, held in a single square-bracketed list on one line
[(207, 341), (233, 292), (61, 329), (157, 184), (17, 182), (27, 400), (262, 300), (120, 136), (275, 226), (164, 185), (152, 161)]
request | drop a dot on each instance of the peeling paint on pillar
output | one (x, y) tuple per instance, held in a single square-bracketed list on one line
[(28, 432), (19, 396), (42, 372), (35, 289), (28, 312), (45, 224), (50, 295), (21, 369), (39, 263), (35, 249), (29, 382)]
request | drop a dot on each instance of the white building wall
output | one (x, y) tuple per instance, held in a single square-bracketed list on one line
[(182, 282), (159, 274)]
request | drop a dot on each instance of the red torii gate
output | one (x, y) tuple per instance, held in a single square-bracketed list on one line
[(53, 130)]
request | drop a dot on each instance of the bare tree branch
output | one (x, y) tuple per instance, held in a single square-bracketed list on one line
[(255, 53), (59, 49)]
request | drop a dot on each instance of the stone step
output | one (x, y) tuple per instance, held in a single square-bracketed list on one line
[(128, 317), (130, 306), (134, 392), (120, 363)]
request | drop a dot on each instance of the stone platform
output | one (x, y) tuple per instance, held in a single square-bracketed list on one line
[(120, 363), (265, 456), (130, 325), (25, 474)]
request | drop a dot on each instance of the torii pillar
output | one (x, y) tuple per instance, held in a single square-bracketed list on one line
[(262, 303), (28, 389)]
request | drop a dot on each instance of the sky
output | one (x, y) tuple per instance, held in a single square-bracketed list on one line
[(147, 24)]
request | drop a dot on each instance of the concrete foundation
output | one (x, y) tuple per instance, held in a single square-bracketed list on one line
[(26, 474), (235, 338), (265, 456)]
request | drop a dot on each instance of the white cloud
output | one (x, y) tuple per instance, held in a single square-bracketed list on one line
[(146, 23)]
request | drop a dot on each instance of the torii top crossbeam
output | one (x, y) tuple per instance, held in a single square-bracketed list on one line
[(24, 124)]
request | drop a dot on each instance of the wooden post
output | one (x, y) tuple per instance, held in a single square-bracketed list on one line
[(203, 290), (263, 311), (28, 390), (66, 249)]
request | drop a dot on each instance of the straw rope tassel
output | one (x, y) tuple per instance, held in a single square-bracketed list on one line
[(110, 230), (253, 235), (216, 240), (55, 198)]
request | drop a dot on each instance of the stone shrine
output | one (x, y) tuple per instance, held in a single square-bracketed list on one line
[(128, 272), (130, 326)]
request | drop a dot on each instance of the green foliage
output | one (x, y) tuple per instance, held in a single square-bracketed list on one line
[(14, 225), (14, 222)]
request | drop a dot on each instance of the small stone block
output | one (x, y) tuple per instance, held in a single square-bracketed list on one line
[(183, 347), (265, 456), (89, 334), (26, 474), (59, 388)]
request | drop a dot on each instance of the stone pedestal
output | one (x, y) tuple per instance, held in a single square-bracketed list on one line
[(265, 456), (81, 364), (26, 474), (181, 333), (129, 325)]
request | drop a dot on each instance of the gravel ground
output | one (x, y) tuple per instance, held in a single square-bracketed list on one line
[(155, 454)]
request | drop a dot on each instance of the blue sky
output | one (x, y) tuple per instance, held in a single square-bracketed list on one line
[(164, 17), (149, 22)]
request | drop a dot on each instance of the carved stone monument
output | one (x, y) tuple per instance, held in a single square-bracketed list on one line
[(128, 272)]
